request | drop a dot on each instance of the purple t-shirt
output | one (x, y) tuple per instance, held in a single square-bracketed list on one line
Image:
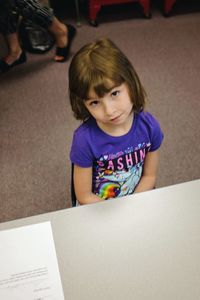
[(117, 162)]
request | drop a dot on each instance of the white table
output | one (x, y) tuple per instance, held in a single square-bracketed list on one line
[(143, 247)]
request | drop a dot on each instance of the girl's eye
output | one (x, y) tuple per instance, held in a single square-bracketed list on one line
[(93, 103), (115, 93)]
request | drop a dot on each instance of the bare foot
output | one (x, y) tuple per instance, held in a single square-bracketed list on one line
[(12, 57)]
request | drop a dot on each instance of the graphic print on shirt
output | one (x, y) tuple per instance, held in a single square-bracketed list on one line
[(117, 175)]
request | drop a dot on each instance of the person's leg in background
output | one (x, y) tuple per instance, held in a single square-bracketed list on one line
[(43, 16), (8, 27), (63, 35), (14, 48)]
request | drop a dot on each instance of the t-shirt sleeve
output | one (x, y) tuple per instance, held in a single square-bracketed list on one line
[(156, 134), (80, 153)]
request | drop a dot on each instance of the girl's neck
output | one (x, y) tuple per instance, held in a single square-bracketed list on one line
[(117, 130)]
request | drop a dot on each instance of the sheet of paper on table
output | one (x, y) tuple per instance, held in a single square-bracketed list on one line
[(28, 264)]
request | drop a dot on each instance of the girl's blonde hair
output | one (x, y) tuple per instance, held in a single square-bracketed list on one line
[(98, 67)]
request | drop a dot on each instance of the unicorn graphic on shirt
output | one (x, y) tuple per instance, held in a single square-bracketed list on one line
[(119, 183)]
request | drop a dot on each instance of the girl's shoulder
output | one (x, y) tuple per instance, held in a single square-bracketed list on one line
[(146, 116), (146, 122), (87, 132), (85, 127), (146, 119), (84, 144)]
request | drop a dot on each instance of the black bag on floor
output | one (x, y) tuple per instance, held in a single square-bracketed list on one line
[(34, 38)]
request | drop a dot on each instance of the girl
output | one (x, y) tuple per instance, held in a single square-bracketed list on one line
[(115, 150)]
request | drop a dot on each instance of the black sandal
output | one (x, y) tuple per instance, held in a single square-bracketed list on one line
[(4, 67), (64, 52)]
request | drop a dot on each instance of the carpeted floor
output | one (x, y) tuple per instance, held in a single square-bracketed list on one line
[(36, 123)]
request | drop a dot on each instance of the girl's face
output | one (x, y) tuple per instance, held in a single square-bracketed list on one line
[(114, 111)]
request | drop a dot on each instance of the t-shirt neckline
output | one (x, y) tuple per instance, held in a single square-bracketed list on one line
[(120, 136)]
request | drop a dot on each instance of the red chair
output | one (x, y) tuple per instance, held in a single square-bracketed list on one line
[(95, 6), (168, 4)]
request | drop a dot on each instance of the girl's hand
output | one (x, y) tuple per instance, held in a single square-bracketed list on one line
[(83, 185), (148, 179)]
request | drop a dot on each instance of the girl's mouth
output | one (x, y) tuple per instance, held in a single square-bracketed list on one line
[(115, 119)]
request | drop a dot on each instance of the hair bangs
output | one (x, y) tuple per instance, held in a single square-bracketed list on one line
[(102, 84)]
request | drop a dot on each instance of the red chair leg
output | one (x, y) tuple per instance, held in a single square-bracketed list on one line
[(146, 7), (94, 8), (168, 4)]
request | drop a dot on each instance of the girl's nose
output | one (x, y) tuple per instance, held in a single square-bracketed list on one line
[(109, 109)]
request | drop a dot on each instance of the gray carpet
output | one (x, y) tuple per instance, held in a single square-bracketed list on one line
[(36, 122)]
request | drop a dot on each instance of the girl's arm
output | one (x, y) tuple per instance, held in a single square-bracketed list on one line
[(148, 179), (83, 185)]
